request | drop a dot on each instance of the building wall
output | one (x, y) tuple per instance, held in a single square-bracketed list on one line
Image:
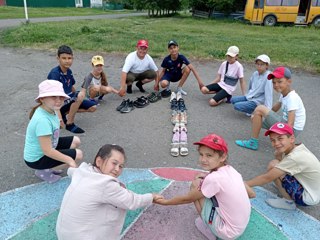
[(2, 2), (42, 3)]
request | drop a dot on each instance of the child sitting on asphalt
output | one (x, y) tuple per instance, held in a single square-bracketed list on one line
[(94, 206), (225, 83), (96, 82), (219, 196), (296, 175), (77, 101), (293, 111), (260, 89), (44, 149), (175, 68)]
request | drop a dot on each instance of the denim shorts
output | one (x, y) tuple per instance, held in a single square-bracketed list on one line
[(294, 189)]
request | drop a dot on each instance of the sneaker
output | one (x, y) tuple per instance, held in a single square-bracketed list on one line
[(180, 90), (129, 89), (166, 93), (139, 85), (175, 117), (141, 102), (179, 96), (128, 107), (47, 175), (174, 149), (174, 105), (252, 143), (183, 117), (124, 102), (154, 97), (173, 96), (281, 203), (74, 128), (181, 105)]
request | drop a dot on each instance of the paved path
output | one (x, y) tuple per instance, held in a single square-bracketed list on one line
[(15, 22)]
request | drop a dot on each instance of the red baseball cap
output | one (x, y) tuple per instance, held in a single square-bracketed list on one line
[(142, 43), (214, 142), (280, 128), (280, 72)]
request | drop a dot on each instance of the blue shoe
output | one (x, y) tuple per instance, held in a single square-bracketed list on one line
[(252, 143)]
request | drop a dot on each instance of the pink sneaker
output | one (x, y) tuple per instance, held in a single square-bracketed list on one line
[(204, 229)]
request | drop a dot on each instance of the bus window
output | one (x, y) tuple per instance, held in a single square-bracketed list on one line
[(282, 2), (259, 3), (273, 2), (290, 2), (316, 3)]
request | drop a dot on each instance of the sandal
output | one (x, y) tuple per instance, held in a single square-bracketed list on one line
[(47, 175), (175, 117), (175, 149), (183, 117), (184, 149)]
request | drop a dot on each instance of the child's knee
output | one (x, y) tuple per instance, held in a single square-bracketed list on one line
[(213, 103), (76, 141), (79, 155), (92, 109), (204, 90), (164, 83)]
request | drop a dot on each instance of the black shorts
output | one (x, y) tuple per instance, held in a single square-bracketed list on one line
[(220, 92), (46, 162)]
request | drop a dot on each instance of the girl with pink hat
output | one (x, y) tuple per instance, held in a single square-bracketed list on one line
[(44, 149)]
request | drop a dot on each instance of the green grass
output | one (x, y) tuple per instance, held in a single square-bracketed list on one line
[(295, 47), (18, 12)]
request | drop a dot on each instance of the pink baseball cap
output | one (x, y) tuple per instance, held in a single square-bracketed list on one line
[(214, 142), (280, 72), (142, 43), (51, 88), (280, 128)]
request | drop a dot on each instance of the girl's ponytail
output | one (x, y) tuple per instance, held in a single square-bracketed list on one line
[(33, 110)]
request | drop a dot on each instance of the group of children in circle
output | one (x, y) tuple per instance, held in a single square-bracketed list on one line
[(219, 194)]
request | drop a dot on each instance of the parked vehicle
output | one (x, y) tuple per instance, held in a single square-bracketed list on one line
[(270, 12)]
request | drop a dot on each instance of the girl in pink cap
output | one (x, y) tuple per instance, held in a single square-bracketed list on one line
[(219, 194), (44, 149)]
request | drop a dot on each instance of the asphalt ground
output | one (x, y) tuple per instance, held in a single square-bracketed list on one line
[(144, 133)]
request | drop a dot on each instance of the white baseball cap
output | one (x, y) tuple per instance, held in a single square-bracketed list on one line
[(264, 58), (232, 51)]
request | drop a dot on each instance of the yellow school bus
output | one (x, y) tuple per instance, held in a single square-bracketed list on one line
[(270, 12)]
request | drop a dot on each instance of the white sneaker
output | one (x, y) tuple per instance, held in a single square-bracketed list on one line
[(178, 95), (281, 203), (181, 91), (173, 96)]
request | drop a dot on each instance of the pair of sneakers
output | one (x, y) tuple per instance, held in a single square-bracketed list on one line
[(126, 106), (141, 102), (179, 141)]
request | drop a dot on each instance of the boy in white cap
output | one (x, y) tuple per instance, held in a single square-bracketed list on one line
[(225, 83), (260, 90), (296, 175), (293, 111)]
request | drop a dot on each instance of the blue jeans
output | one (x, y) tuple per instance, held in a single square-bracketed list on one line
[(240, 103)]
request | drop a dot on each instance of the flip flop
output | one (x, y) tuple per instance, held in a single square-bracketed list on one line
[(47, 175)]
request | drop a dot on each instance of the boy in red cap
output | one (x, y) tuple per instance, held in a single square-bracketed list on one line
[(219, 195), (293, 111), (296, 175), (140, 67)]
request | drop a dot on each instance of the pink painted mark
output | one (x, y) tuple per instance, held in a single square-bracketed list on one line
[(177, 174)]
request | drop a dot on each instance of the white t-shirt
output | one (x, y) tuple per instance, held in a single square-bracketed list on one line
[(136, 65), (234, 70), (293, 102), (226, 184), (305, 167)]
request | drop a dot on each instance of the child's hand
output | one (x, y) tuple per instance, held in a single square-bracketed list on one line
[(122, 92), (73, 164), (156, 197), (156, 87), (161, 201)]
